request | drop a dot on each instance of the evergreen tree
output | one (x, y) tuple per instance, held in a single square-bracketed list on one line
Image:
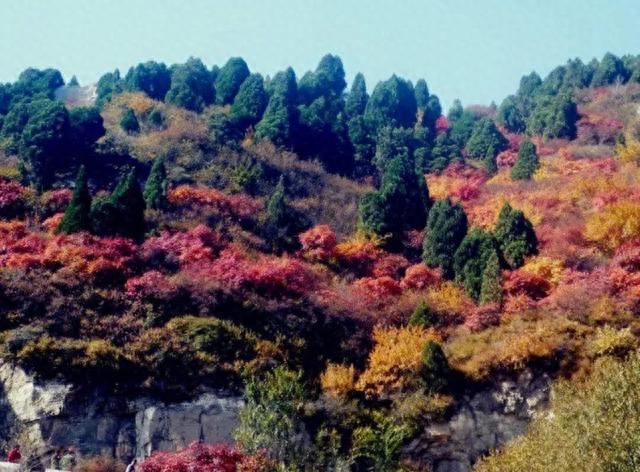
[(463, 127), (510, 115), (422, 94), (122, 212), (401, 203), (435, 370), (554, 117), (76, 217), (455, 112), (43, 141), (527, 162), (422, 315), (108, 85), (610, 70), (444, 152), (392, 103), (485, 136), (470, 260), (250, 102), (151, 77), (129, 122), (489, 161), (85, 128), (281, 223), (490, 290), (515, 235), (191, 86), (155, 189), (432, 111), (73, 82), (229, 79), (280, 117), (357, 98), (446, 228)]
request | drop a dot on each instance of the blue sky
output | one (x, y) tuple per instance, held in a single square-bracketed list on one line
[(475, 50)]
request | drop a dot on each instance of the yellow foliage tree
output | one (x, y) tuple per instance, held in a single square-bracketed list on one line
[(618, 223), (395, 361), (338, 380)]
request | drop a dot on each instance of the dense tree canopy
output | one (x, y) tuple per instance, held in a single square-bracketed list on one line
[(392, 103), (250, 102), (357, 97), (191, 85), (151, 77), (43, 141), (471, 259), (281, 115), (229, 79)]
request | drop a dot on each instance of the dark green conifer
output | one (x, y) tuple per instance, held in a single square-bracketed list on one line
[(155, 189), (76, 217), (527, 162)]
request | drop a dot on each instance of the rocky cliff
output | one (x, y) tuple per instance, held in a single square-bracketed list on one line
[(52, 414)]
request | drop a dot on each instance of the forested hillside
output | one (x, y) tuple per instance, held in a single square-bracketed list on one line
[(353, 260)]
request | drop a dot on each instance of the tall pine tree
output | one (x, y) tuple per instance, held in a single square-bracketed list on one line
[(446, 228), (490, 290), (527, 162), (76, 217), (155, 188)]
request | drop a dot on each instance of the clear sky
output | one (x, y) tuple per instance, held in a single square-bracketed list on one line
[(475, 50)]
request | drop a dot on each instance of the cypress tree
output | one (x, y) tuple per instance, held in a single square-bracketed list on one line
[(280, 116), (76, 216), (357, 98), (490, 163), (281, 223), (470, 260), (155, 189), (446, 228), (129, 122), (229, 79), (485, 135), (422, 315), (402, 203), (122, 212), (515, 235), (527, 162), (421, 92), (490, 290), (250, 102), (435, 367)]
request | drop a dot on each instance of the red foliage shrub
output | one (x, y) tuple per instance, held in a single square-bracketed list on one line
[(519, 282), (203, 458), (11, 197), (152, 284), (378, 288), (319, 243), (483, 316), (507, 158), (239, 206), (183, 248), (419, 277), (442, 124), (390, 265)]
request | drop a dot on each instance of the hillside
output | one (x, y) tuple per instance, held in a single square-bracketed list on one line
[(364, 270)]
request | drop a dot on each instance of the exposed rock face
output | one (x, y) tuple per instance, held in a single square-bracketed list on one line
[(54, 414), (484, 421)]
